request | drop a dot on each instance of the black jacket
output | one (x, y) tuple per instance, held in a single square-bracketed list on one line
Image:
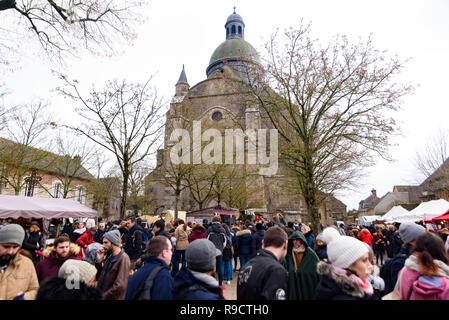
[(134, 242), (32, 242), (262, 278), (217, 234), (257, 242)]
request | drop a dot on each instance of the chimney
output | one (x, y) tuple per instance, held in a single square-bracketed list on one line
[(374, 192)]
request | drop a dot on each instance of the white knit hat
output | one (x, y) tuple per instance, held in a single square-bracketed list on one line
[(74, 269), (343, 251)]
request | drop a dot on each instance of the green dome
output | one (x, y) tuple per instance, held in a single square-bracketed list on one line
[(234, 48)]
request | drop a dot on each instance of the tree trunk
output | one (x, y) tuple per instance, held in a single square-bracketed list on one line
[(177, 194), (124, 196)]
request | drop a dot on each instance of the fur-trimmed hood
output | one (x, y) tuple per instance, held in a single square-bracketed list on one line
[(74, 249), (344, 283), (243, 232)]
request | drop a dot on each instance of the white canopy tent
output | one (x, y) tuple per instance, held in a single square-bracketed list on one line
[(425, 211), (367, 220), (394, 213)]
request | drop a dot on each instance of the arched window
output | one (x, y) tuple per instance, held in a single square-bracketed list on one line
[(240, 30), (233, 29)]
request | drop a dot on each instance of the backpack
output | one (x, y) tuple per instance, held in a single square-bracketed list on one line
[(217, 238), (144, 292), (385, 272)]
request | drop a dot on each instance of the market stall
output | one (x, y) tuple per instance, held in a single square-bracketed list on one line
[(208, 213), (395, 213), (426, 211), (24, 209)]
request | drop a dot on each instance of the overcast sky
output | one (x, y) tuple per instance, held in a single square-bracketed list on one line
[(187, 32)]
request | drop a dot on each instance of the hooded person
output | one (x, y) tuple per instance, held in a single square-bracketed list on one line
[(346, 277), (195, 281), (18, 279), (321, 248), (301, 264), (55, 256)]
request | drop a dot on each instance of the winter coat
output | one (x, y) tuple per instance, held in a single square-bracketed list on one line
[(164, 233), (244, 242), (49, 267), (310, 238), (197, 234), (134, 242), (365, 236), (203, 286), (76, 234), (257, 242), (19, 276), (337, 286), (411, 282), (321, 252), (182, 237), (303, 281), (116, 279), (262, 278), (162, 283), (379, 243), (217, 234), (32, 242), (86, 239), (98, 236)]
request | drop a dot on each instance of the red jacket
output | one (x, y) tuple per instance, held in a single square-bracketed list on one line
[(86, 239), (365, 236), (197, 234)]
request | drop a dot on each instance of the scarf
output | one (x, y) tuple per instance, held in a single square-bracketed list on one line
[(365, 285), (298, 254)]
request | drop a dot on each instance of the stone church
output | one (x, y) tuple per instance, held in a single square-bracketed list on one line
[(216, 103)]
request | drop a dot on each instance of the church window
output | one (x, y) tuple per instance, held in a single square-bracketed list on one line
[(233, 29), (217, 116), (240, 30)]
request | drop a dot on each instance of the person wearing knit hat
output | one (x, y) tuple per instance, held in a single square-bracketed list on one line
[(409, 231), (195, 282), (18, 278), (114, 271), (78, 270), (346, 277)]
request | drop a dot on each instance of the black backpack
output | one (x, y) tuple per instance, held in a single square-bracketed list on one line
[(385, 272), (144, 292)]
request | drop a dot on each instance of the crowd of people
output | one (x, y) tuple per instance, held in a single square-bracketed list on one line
[(179, 260)]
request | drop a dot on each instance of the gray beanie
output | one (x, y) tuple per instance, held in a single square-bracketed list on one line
[(200, 255), (409, 231), (113, 236), (12, 233)]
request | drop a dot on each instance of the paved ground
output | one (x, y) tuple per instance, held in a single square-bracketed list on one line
[(230, 291)]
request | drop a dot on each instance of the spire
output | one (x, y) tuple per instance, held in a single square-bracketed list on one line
[(182, 77), (182, 86)]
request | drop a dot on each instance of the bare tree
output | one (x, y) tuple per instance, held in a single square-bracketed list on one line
[(124, 119), (74, 156), (65, 26), (432, 162), (20, 154), (333, 108), (136, 198)]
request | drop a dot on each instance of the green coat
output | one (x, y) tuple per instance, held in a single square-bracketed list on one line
[(303, 281)]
